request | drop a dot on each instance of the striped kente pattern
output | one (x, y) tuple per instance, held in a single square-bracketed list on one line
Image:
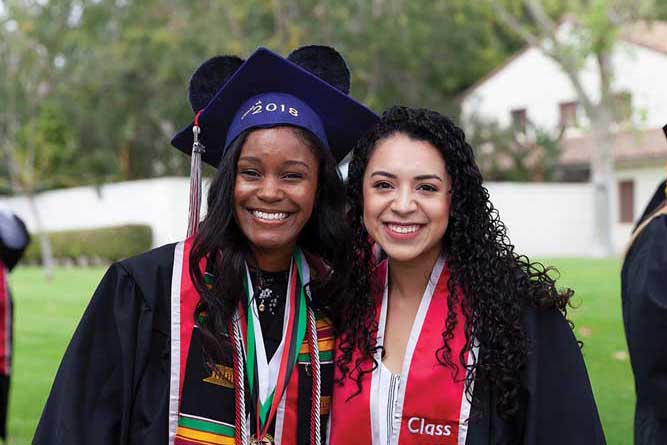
[(202, 431), (198, 430), (325, 342)]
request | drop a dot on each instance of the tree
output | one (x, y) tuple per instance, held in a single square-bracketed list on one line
[(594, 27), (505, 154), (26, 86)]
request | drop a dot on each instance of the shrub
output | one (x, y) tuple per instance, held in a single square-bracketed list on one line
[(108, 243)]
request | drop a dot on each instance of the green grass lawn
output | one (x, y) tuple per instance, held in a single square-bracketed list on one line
[(598, 323), (47, 314)]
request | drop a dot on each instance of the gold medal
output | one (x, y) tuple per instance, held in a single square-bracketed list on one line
[(266, 440)]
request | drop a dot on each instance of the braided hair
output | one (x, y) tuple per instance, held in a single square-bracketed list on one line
[(495, 284)]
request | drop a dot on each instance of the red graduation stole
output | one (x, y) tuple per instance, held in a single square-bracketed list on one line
[(432, 402), (184, 430)]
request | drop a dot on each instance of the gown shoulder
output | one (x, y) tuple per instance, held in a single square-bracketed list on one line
[(556, 403), (112, 385), (644, 297)]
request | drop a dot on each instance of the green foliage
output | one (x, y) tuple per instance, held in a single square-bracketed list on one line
[(57, 162), (105, 81), (598, 323), (93, 90), (503, 154), (110, 243)]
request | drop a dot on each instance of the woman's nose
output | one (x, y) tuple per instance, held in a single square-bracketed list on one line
[(404, 202), (270, 190)]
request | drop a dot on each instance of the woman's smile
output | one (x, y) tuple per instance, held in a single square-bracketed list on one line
[(402, 231), (269, 216), (406, 200), (275, 190)]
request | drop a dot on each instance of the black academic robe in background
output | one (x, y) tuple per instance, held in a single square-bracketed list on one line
[(644, 295), (11, 252)]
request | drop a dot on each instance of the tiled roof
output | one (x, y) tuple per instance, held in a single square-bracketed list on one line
[(648, 34), (629, 146)]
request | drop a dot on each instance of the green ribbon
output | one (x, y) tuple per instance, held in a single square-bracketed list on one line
[(294, 345)]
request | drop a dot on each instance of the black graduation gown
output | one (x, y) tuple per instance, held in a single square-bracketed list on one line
[(644, 295), (122, 350), (112, 386), (10, 255), (556, 400)]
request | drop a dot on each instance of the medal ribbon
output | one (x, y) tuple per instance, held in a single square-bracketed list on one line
[(267, 381)]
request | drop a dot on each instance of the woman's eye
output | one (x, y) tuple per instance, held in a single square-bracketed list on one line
[(293, 176), (427, 188), (250, 173), (382, 185)]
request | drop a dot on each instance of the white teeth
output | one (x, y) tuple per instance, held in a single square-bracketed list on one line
[(269, 216), (403, 229)]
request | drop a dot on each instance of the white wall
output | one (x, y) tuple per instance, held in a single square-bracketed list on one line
[(536, 83), (546, 220), (543, 220), (646, 179), (161, 203)]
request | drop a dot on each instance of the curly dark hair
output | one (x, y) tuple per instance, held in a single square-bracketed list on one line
[(495, 283), (221, 241)]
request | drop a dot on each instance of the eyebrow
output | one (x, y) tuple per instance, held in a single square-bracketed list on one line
[(248, 159), (294, 162), (383, 173), (257, 160), (418, 178), (425, 177)]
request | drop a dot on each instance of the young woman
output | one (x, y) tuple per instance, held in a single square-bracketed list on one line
[(453, 338), (644, 296), (224, 338)]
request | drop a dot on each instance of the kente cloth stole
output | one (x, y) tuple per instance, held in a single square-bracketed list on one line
[(5, 323), (202, 404), (432, 406)]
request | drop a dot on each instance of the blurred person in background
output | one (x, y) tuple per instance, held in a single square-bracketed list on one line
[(14, 239), (226, 337), (454, 339), (644, 298)]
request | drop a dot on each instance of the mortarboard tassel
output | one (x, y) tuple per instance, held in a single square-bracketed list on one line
[(195, 179)]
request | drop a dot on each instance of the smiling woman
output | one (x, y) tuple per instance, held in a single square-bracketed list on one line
[(453, 338), (274, 193), (227, 337), (407, 203)]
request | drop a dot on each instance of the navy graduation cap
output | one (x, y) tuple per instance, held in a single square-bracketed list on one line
[(308, 89)]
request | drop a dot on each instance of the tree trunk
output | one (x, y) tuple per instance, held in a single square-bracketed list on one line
[(44, 242), (602, 181)]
